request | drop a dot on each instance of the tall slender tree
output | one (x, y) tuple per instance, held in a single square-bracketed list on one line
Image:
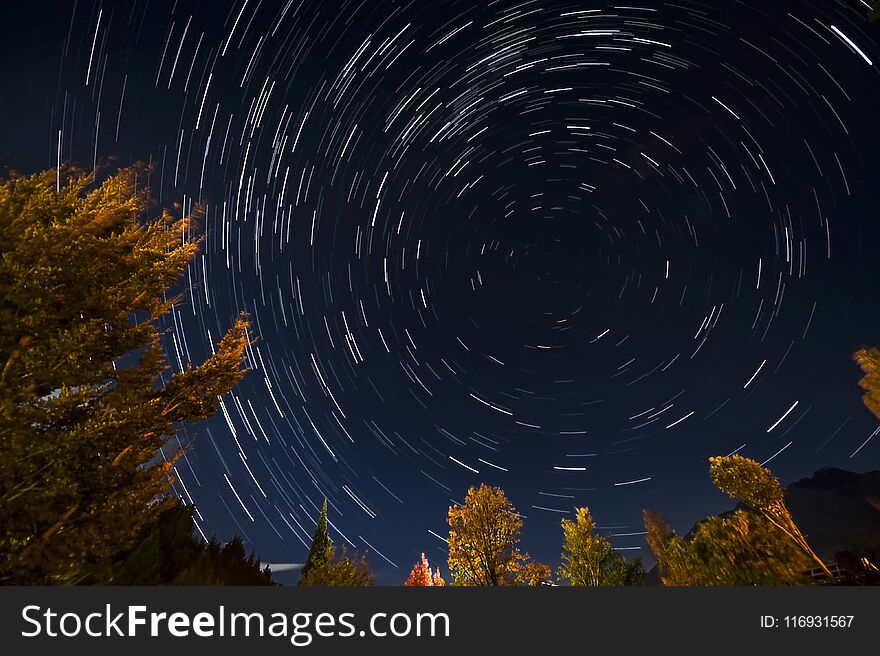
[(327, 566), (88, 405), (320, 553)]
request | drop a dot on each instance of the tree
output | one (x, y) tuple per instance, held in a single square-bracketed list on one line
[(325, 566), (757, 487), (421, 575), (483, 535), (167, 553), (320, 553), (346, 570), (869, 361), (533, 573), (590, 560), (874, 12), (742, 549), (87, 408), (341, 569)]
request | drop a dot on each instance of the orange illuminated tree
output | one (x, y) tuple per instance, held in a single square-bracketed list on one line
[(421, 575), (88, 404)]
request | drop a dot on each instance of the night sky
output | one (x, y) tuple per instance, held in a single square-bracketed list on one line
[(569, 248)]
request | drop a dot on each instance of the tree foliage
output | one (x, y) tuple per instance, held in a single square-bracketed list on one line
[(874, 12), (590, 560), (87, 408), (422, 576), (320, 552), (167, 553), (757, 487), (327, 566), (341, 569), (869, 361), (742, 549), (483, 535), (531, 572)]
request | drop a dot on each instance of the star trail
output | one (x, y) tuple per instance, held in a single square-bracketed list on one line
[(572, 249)]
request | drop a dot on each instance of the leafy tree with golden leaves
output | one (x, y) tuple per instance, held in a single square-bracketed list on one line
[(87, 408), (531, 572), (351, 570), (590, 560), (757, 487), (483, 535), (869, 361), (742, 549), (421, 575)]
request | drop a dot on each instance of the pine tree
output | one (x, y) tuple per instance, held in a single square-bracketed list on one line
[(88, 409), (168, 553), (320, 553), (325, 565)]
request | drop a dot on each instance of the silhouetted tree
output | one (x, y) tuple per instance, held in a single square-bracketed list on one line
[(168, 553)]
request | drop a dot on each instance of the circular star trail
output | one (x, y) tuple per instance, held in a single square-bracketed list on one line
[(571, 249)]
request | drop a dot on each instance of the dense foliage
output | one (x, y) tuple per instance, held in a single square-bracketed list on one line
[(483, 535), (87, 407), (590, 560), (757, 487), (869, 361), (422, 576), (742, 549), (167, 553)]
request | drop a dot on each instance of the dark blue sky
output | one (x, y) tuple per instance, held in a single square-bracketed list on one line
[(571, 250)]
